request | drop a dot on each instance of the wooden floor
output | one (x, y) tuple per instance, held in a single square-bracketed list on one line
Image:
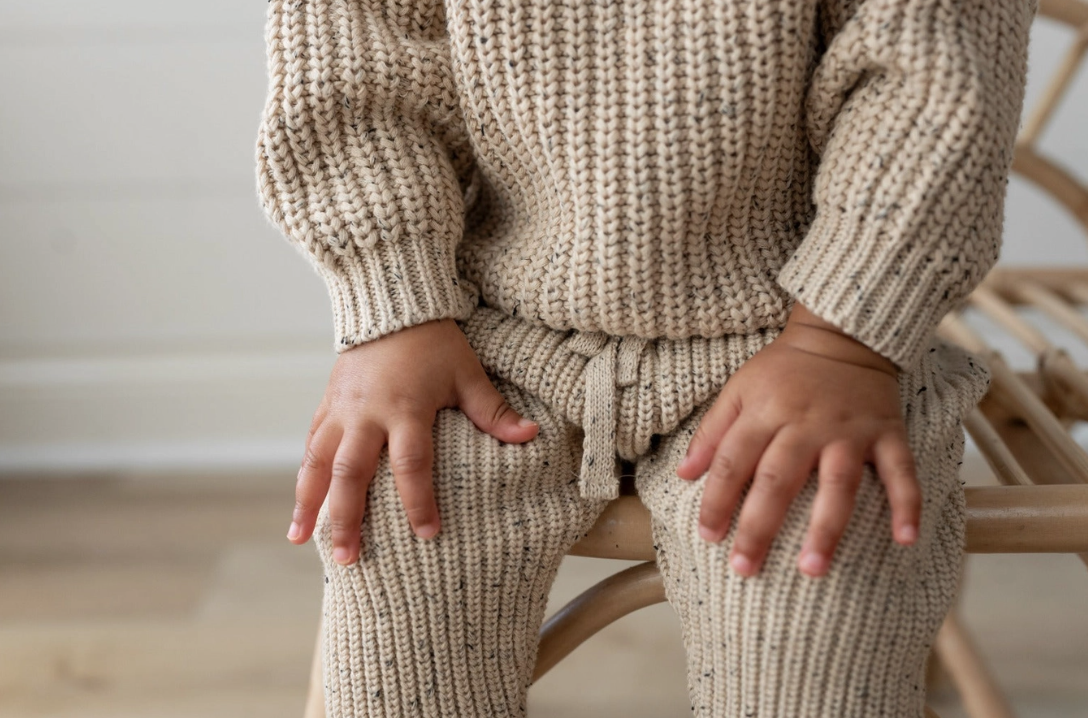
[(156, 597)]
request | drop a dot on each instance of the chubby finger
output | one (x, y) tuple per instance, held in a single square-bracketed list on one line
[(896, 468), (411, 457), (352, 470), (708, 436), (840, 472), (312, 482), (318, 419), (780, 474), (730, 468), (485, 407)]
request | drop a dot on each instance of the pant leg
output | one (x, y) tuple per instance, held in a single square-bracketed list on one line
[(851, 644), (449, 626)]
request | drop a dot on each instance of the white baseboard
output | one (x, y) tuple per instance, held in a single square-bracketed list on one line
[(174, 457), (177, 412), (161, 412)]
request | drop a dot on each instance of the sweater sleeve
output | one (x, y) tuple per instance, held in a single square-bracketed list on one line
[(362, 158), (913, 110)]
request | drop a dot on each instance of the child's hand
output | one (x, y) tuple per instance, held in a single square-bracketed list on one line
[(389, 390), (813, 398)]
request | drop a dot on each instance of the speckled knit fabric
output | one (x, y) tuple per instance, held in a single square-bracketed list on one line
[(652, 168), (622, 390), (620, 201), (448, 627), (854, 643)]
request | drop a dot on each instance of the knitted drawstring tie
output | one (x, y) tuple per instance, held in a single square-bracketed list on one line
[(613, 363)]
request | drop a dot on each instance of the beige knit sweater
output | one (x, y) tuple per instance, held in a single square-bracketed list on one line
[(649, 168)]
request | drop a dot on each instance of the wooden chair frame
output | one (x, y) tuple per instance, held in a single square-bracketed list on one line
[(1021, 428)]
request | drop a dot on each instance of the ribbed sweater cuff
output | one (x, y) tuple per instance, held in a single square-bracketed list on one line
[(393, 286), (868, 286)]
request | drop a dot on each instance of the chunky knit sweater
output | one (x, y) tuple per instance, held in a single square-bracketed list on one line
[(645, 168)]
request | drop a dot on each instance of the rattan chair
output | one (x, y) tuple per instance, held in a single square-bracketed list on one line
[(1022, 428)]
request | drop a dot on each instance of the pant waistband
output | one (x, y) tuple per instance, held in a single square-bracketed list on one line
[(622, 390)]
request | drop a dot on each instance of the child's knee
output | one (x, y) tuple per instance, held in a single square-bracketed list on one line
[(481, 485)]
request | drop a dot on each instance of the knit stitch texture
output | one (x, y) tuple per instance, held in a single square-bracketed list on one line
[(620, 201), (653, 168), (448, 626)]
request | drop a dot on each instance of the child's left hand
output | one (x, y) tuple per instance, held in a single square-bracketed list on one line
[(813, 398)]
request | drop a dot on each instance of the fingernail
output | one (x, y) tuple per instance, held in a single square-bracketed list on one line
[(908, 533), (813, 563), (340, 555), (741, 564), (707, 534), (294, 532), (426, 531), (526, 423), (683, 463)]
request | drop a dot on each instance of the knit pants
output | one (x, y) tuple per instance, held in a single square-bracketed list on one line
[(448, 626)]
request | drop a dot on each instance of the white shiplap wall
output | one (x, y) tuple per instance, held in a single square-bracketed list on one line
[(149, 316)]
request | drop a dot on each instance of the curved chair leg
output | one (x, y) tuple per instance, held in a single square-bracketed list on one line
[(595, 608), (977, 688), (315, 697)]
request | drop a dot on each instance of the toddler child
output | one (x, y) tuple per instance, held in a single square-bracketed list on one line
[(708, 238)]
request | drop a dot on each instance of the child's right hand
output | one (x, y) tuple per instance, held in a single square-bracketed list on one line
[(389, 391)]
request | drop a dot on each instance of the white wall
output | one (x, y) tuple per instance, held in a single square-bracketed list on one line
[(149, 316)]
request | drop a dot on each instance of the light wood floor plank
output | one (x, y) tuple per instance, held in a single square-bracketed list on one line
[(173, 597)]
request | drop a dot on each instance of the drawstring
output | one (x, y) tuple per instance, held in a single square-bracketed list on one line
[(613, 362)]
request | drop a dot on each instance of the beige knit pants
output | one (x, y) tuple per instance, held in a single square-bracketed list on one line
[(448, 626)]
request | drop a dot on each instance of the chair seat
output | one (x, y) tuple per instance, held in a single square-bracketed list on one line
[(1000, 519)]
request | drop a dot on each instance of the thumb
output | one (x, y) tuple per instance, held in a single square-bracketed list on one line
[(482, 403)]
